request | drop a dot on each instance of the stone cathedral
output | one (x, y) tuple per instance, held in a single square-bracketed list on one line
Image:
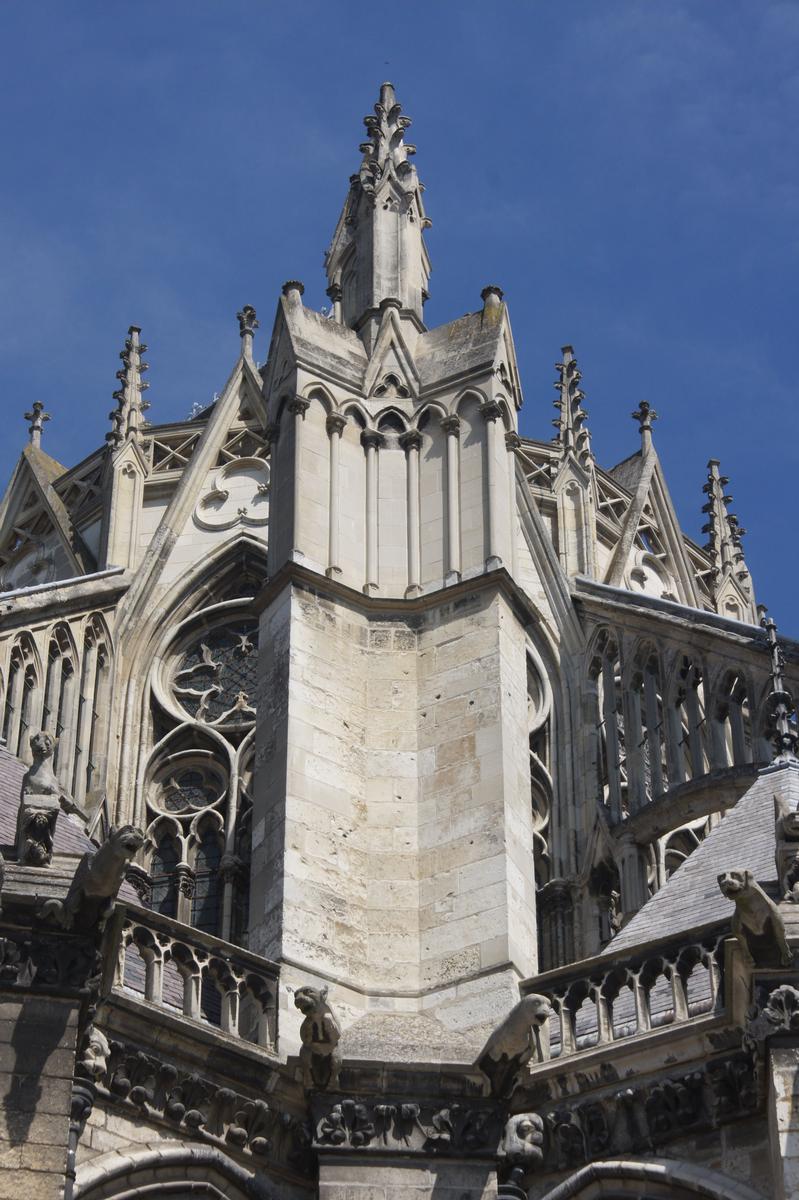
[(392, 806)]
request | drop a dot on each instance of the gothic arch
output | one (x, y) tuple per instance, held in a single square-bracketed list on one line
[(317, 391), (655, 1177), (469, 393), (153, 1172)]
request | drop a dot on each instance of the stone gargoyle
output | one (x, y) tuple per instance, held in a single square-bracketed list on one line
[(756, 923), (787, 837), (513, 1043), (40, 804), (96, 882), (320, 1034)]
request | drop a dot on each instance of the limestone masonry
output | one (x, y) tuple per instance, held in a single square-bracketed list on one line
[(392, 806)]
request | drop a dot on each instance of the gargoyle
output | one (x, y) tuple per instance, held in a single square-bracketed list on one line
[(787, 837), (513, 1044), (320, 1034), (97, 880), (757, 923)]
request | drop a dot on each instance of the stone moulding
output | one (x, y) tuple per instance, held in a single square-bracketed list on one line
[(199, 1108)]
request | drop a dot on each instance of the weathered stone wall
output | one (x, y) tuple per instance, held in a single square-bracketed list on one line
[(394, 1179), (392, 837), (37, 1060)]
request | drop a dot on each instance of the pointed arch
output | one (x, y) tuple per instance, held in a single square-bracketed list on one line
[(146, 1170), (60, 697), (23, 700), (92, 730)]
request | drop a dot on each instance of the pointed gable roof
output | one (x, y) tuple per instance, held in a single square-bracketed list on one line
[(743, 839)]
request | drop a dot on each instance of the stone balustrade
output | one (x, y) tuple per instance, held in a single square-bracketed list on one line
[(195, 975), (606, 999)]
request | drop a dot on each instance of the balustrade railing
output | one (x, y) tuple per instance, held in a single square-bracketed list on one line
[(605, 999), (195, 975)]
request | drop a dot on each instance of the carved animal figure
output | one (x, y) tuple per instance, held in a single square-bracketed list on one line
[(513, 1044), (522, 1144), (97, 880), (320, 1034), (39, 779), (787, 849), (757, 922)]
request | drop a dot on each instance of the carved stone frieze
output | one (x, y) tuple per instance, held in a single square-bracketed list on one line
[(349, 1124), (33, 960), (202, 1109)]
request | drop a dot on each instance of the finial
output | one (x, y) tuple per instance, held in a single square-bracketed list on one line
[(724, 531), (37, 417), (780, 700), (645, 415), (385, 146), (492, 296), (127, 420), (572, 433), (248, 323), (293, 290)]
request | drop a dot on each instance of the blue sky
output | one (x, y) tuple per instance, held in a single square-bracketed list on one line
[(626, 170)]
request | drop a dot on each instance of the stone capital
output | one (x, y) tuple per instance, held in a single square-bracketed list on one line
[(490, 410), (451, 424), (336, 423), (372, 438), (299, 406), (512, 440), (411, 440)]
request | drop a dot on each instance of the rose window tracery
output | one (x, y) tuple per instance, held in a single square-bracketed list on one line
[(215, 676)]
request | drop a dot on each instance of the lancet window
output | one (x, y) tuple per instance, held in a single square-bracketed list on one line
[(539, 709), (688, 723), (198, 782), (93, 705), (648, 769), (20, 713), (606, 724), (732, 725), (60, 699)]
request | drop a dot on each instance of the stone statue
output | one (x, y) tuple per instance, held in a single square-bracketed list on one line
[(521, 1147), (320, 1034), (513, 1043), (757, 923), (787, 850), (97, 880), (40, 804)]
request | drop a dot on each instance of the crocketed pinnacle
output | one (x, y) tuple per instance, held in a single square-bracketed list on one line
[(723, 530), (572, 433), (780, 701), (127, 419), (386, 148)]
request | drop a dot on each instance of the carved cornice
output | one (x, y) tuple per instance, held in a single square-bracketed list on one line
[(400, 1125), (199, 1108)]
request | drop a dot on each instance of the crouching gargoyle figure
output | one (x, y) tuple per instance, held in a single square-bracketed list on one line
[(757, 923), (787, 836), (320, 1034), (96, 882), (513, 1043)]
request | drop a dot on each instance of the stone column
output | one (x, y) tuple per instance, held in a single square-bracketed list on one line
[(298, 408), (410, 442), (451, 426), (634, 892), (512, 442), (335, 425), (371, 439), (491, 415)]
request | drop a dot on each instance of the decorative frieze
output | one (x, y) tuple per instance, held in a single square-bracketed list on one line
[(200, 1108), (427, 1127)]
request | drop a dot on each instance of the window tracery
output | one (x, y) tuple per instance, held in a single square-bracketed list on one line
[(198, 782), (20, 715)]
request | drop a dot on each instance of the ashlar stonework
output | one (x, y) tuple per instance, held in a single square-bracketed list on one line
[(393, 806)]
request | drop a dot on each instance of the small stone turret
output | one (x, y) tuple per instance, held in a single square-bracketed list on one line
[(730, 572), (572, 433), (378, 249)]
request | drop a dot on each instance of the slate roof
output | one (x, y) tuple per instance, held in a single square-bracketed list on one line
[(745, 839), (70, 838), (628, 471)]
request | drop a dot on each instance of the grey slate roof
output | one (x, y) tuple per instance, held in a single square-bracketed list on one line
[(745, 839), (628, 471), (70, 837)]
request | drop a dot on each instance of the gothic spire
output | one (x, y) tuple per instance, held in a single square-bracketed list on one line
[(37, 417), (378, 252), (724, 533), (127, 419), (572, 433), (780, 701)]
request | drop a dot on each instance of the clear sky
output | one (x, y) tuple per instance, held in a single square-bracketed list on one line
[(626, 170)]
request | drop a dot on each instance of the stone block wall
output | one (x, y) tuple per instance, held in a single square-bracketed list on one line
[(392, 829), (37, 1060)]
